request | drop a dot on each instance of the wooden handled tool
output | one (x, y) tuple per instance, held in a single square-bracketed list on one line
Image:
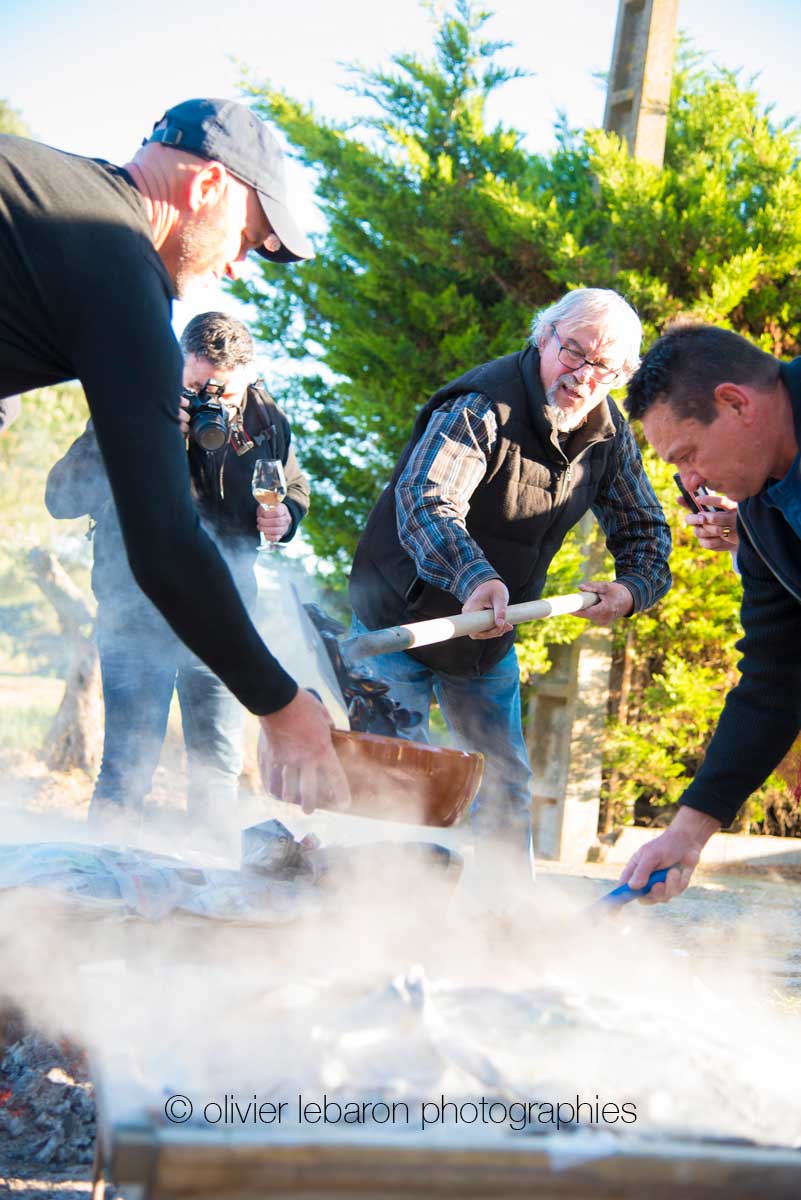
[(320, 674), (442, 629)]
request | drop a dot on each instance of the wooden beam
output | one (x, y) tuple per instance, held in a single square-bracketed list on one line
[(184, 1164), (638, 91)]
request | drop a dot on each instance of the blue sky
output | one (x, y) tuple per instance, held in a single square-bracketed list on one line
[(92, 77)]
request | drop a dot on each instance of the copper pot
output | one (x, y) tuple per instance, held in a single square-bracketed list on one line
[(395, 780)]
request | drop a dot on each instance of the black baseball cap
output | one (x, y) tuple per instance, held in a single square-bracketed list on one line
[(229, 133)]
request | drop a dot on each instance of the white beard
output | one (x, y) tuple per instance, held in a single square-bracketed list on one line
[(563, 422), (566, 420)]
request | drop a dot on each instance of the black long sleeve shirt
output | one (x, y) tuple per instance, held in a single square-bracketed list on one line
[(83, 294)]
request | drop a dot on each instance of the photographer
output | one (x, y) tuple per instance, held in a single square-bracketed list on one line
[(141, 659)]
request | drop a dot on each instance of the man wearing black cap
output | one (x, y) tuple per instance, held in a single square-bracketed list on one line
[(91, 256)]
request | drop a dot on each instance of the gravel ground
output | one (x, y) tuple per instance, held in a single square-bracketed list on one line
[(760, 906)]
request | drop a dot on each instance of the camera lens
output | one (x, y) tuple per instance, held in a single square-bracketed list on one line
[(209, 430), (208, 421)]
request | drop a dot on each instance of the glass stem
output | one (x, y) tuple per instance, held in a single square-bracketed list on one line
[(265, 543)]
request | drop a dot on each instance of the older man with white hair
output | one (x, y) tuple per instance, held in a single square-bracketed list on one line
[(501, 464)]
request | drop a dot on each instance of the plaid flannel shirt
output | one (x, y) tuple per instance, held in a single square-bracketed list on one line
[(433, 494)]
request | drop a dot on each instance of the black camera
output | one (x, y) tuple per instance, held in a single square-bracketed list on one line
[(208, 417)]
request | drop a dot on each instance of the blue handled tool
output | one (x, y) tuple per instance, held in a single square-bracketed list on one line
[(619, 896)]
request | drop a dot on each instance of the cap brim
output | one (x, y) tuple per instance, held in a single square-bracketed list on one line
[(295, 246)]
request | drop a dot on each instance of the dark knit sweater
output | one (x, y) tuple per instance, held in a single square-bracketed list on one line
[(762, 714)]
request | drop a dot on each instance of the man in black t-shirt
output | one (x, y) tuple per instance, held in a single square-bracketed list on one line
[(141, 660), (91, 256)]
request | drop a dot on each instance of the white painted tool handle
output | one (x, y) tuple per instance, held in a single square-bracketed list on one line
[(442, 629)]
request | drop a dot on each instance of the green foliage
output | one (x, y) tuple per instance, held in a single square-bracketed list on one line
[(716, 232), (568, 569), (444, 235), (417, 277), (11, 121), (25, 729)]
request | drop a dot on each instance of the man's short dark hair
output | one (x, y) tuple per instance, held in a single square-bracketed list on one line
[(686, 364), (223, 340)]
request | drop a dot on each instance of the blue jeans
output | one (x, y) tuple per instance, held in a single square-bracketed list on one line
[(482, 713), (138, 677)]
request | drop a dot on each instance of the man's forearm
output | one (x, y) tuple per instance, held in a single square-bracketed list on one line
[(296, 515), (762, 714), (747, 745), (209, 616), (695, 825), (432, 496), (298, 489)]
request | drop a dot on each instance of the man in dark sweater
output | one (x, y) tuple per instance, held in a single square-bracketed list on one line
[(91, 257), (141, 659), (501, 464), (729, 416)]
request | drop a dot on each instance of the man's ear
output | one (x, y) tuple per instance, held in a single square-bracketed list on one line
[(735, 399), (207, 186)]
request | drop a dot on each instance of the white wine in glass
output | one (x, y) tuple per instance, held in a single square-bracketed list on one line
[(269, 490)]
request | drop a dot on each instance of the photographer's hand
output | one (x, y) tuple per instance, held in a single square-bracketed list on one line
[(273, 522), (183, 415), (297, 760)]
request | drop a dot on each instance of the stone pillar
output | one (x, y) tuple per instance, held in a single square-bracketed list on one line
[(638, 92), (564, 733)]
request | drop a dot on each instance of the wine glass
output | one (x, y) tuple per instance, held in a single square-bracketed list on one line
[(269, 489)]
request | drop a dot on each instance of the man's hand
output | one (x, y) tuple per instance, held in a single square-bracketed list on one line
[(615, 601), (714, 530), (183, 415), (494, 595), (297, 759), (273, 522), (680, 845)]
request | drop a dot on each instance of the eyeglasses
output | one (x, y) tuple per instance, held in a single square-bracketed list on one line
[(574, 359)]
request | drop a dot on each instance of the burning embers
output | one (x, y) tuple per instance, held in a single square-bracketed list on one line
[(47, 1107)]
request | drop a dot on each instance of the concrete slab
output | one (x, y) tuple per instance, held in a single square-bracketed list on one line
[(721, 848)]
